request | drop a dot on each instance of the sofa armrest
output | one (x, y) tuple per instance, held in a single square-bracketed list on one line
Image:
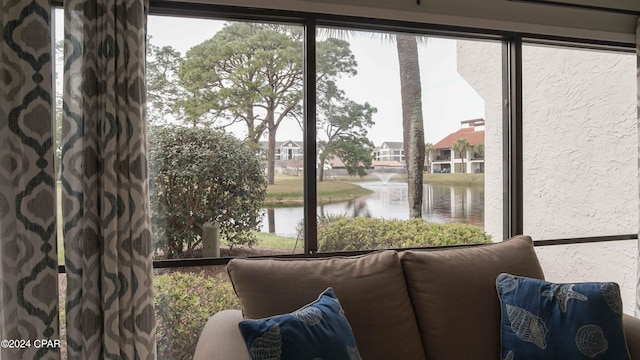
[(221, 338), (632, 333)]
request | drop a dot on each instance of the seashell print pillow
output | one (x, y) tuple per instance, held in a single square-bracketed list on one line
[(318, 330), (543, 320)]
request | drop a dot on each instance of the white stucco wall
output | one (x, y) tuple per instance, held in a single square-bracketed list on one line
[(580, 157), (480, 64), (580, 143), (612, 261)]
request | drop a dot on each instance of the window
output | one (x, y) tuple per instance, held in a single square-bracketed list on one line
[(361, 145), (245, 79), (239, 80), (225, 115)]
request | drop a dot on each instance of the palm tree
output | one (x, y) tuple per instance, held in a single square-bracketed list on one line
[(412, 120), (479, 149), (461, 146)]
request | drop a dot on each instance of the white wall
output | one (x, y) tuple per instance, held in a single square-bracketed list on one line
[(580, 150), (612, 261), (580, 143), (480, 64)]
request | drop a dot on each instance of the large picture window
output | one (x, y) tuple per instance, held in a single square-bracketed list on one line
[(239, 85), (246, 161)]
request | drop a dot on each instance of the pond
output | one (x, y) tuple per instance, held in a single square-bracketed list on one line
[(441, 204)]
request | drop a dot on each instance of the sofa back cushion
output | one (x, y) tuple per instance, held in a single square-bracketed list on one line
[(371, 289), (454, 295)]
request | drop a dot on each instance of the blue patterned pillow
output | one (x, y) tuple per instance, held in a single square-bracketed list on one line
[(543, 320), (317, 331)]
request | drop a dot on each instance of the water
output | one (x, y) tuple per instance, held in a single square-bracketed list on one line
[(441, 203), (384, 177)]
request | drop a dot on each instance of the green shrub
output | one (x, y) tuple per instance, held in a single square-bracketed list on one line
[(184, 302), (200, 175), (344, 234)]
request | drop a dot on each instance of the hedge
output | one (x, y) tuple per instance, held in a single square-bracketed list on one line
[(344, 234), (184, 302)]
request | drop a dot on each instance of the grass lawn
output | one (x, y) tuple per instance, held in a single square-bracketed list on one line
[(288, 190), (439, 179), (454, 179), (272, 241)]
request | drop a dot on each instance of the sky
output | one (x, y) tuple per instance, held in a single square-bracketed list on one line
[(447, 98)]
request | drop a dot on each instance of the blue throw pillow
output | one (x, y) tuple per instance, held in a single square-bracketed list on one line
[(317, 331), (543, 320)]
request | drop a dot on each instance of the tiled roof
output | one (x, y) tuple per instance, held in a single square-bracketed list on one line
[(335, 162), (386, 163), (474, 137)]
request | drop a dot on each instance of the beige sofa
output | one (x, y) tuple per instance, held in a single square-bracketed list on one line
[(413, 304)]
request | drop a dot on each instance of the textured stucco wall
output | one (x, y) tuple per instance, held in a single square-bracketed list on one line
[(580, 143), (612, 261), (480, 64), (580, 150)]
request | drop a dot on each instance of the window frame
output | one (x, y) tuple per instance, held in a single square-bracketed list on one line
[(512, 120)]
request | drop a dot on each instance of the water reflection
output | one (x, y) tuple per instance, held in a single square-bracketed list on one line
[(441, 203)]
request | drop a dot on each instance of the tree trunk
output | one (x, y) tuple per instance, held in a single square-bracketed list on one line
[(271, 219), (413, 126), (271, 153), (321, 169)]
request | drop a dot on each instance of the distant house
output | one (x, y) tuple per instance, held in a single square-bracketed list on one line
[(286, 150), (337, 163), (444, 159), (389, 151)]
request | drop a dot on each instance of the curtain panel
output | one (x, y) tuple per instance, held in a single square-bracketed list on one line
[(106, 224), (28, 261)]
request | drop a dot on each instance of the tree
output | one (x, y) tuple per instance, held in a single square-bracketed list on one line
[(202, 175), (412, 117), (247, 72), (461, 146), (412, 121), (428, 149), (344, 126), (164, 91), (253, 74), (479, 149)]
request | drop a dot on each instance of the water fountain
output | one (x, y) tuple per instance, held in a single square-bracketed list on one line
[(386, 174), (384, 177)]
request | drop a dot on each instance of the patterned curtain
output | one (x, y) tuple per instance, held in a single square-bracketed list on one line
[(106, 225), (28, 261)]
